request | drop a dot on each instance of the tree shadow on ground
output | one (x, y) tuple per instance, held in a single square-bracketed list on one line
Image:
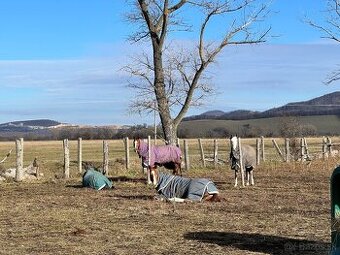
[(113, 179), (254, 242)]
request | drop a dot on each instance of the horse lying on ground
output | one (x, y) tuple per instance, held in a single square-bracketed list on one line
[(178, 189), (168, 156), (95, 180), (248, 160), (31, 172)]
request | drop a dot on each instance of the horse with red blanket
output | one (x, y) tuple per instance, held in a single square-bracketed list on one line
[(168, 156)]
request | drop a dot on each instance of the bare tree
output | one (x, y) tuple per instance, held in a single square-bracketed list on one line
[(330, 29), (175, 75)]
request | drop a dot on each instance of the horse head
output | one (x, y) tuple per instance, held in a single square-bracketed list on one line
[(138, 146), (136, 142), (233, 142), (234, 153)]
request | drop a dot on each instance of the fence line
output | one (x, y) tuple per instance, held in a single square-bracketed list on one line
[(291, 151)]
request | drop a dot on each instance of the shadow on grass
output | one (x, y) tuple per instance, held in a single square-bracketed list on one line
[(254, 242), (135, 197), (127, 179)]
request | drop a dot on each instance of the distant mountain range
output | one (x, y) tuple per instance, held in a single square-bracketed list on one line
[(43, 126), (328, 104)]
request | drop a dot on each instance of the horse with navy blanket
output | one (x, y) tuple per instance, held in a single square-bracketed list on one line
[(168, 156), (178, 189)]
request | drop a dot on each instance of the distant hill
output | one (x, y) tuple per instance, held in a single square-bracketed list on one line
[(214, 113), (28, 125), (268, 127), (45, 129), (325, 105), (328, 104)]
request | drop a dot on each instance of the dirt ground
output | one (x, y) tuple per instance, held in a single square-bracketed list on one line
[(286, 212)]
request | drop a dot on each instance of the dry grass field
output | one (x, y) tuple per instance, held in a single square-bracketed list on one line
[(286, 212)]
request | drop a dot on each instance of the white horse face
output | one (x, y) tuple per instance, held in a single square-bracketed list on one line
[(233, 142), (135, 144)]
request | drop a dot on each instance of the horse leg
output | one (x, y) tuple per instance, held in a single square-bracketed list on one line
[(247, 177), (252, 177), (179, 169), (174, 170), (154, 175), (235, 185), (149, 175)]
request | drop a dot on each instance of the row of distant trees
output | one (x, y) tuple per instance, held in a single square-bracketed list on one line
[(289, 128), (247, 130)]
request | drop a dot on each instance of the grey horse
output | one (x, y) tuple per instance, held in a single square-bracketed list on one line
[(248, 159)]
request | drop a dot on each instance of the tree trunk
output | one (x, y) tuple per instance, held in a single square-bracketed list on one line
[(170, 132), (158, 15), (169, 129)]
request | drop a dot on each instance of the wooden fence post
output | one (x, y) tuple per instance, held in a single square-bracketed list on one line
[(80, 154), (302, 150), (149, 161), (186, 156), (287, 151), (306, 149), (262, 151), (127, 153), (258, 148), (278, 149), (20, 159), (105, 157), (329, 145), (178, 144), (324, 148), (202, 152), (215, 153), (241, 160), (66, 158)]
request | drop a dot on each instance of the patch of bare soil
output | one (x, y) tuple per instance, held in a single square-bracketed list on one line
[(287, 212)]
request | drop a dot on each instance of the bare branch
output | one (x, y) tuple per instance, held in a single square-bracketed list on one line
[(176, 76), (8, 154), (335, 76), (329, 30), (329, 33)]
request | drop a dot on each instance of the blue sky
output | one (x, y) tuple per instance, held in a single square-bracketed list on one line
[(61, 59)]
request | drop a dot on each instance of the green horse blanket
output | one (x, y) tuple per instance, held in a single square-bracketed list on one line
[(95, 180)]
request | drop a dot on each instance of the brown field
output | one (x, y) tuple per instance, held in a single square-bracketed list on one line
[(286, 212)]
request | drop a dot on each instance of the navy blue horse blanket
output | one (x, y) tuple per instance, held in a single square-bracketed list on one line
[(173, 186)]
